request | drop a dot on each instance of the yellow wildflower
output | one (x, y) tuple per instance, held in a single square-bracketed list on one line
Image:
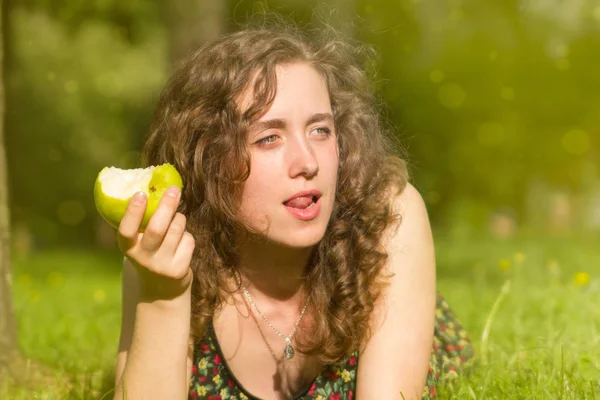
[(223, 393), (319, 397), (201, 390), (243, 396), (55, 278), (519, 257), (34, 296), (217, 379), (504, 265), (582, 278), (99, 296), (203, 364)]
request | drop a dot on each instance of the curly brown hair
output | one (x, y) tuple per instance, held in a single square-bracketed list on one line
[(199, 128)]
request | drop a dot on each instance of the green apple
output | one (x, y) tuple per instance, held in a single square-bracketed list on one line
[(114, 188)]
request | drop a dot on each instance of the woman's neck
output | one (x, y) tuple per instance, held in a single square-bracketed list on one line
[(275, 271)]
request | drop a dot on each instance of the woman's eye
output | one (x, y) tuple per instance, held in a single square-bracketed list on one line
[(323, 131), (268, 139)]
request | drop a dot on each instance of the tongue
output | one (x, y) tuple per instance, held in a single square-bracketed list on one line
[(299, 202)]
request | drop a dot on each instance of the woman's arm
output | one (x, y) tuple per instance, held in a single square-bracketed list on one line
[(154, 351), (130, 301), (403, 322)]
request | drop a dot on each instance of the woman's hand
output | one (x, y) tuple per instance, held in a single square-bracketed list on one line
[(163, 253)]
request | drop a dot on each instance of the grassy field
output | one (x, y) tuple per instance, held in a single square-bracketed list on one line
[(532, 307)]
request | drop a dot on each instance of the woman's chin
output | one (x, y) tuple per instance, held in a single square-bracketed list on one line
[(299, 240)]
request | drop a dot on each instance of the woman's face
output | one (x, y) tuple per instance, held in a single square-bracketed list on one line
[(294, 152)]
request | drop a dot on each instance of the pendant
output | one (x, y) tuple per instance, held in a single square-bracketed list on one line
[(288, 351)]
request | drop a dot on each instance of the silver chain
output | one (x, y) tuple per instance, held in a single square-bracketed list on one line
[(286, 338)]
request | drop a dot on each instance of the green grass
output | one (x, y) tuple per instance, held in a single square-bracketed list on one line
[(68, 310), (542, 341)]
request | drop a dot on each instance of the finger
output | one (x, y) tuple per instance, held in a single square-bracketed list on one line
[(171, 241), (130, 223), (160, 221), (184, 253)]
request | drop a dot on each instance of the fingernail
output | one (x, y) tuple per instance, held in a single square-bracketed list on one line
[(173, 191), (139, 197)]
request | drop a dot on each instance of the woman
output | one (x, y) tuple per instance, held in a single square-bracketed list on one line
[(297, 262)]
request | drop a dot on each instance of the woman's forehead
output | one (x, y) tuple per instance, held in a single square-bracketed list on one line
[(301, 96), (293, 81)]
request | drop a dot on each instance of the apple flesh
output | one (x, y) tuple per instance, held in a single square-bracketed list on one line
[(114, 188)]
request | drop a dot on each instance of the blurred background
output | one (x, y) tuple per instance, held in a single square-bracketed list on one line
[(496, 102)]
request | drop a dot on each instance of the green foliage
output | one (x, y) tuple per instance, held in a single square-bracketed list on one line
[(77, 101), (489, 96), (493, 100)]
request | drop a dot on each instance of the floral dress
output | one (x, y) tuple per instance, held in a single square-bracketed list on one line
[(212, 379)]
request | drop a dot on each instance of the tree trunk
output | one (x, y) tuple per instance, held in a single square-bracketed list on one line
[(191, 22), (8, 333)]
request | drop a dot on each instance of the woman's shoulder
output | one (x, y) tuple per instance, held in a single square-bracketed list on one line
[(406, 202), (406, 197)]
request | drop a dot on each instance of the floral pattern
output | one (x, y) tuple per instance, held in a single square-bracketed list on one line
[(452, 349)]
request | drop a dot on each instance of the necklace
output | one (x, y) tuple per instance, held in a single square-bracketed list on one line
[(288, 350), (262, 334)]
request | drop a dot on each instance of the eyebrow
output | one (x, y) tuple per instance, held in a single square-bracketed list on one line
[(320, 118), (278, 123)]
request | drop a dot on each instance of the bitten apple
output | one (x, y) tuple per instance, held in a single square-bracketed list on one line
[(114, 188)]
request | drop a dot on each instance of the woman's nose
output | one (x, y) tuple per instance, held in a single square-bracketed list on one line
[(304, 161)]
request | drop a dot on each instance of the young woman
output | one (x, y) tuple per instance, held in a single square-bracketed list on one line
[(297, 262)]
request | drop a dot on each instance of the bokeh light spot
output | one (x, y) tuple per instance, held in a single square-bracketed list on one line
[(596, 13), (576, 142), (507, 93), (436, 76), (491, 134), (557, 48), (452, 95), (71, 87), (70, 212)]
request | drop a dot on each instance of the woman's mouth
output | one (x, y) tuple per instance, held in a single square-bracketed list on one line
[(304, 208)]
